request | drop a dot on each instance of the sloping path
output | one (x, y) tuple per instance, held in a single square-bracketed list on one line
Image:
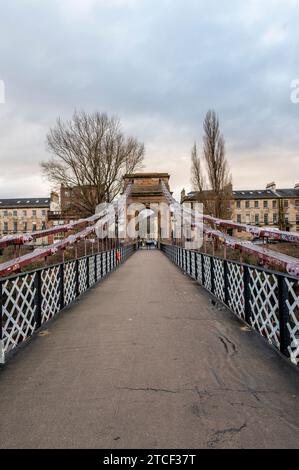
[(145, 360)]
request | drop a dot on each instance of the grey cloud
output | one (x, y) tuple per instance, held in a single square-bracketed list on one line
[(160, 65)]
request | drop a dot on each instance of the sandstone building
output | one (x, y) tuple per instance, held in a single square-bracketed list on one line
[(270, 207), (22, 215)]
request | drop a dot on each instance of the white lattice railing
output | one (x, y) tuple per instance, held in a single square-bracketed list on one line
[(236, 303), (18, 310), (264, 304), (268, 301), (293, 318), (50, 292), (28, 301)]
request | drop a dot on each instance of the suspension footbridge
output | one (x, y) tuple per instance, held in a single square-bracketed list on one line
[(169, 348)]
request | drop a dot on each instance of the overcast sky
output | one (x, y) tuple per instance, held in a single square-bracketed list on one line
[(159, 65)]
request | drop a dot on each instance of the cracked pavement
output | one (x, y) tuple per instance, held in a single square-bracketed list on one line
[(145, 360)]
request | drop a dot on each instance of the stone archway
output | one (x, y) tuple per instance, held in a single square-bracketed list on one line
[(146, 191)]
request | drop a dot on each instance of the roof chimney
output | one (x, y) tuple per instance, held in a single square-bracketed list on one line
[(183, 195), (271, 186)]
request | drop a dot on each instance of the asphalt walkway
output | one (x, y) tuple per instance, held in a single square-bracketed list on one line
[(144, 360)]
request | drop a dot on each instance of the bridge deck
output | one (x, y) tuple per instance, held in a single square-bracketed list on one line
[(144, 360)]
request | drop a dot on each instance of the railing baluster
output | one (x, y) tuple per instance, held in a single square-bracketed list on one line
[(283, 316), (87, 273), (2, 355), (247, 307), (96, 269), (38, 299), (202, 269), (226, 286), (61, 285), (102, 269), (212, 267), (77, 285)]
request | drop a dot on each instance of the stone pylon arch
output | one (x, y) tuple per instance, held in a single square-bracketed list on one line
[(146, 192)]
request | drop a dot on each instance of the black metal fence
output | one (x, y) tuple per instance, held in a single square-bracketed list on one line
[(268, 301), (29, 300)]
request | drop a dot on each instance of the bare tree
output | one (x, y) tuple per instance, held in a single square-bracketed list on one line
[(197, 176), (219, 190), (91, 154)]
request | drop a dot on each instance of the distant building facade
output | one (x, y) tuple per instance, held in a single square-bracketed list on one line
[(69, 208), (270, 207), (22, 215)]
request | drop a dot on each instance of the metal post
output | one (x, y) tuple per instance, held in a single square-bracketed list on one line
[(95, 268), (61, 285), (2, 355), (77, 287), (195, 266), (226, 289), (87, 273), (246, 281), (285, 339), (202, 269), (212, 275), (38, 299)]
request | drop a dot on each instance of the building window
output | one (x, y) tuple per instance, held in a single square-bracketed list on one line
[(297, 218), (5, 213), (257, 219), (239, 218), (44, 213), (25, 227), (24, 213), (238, 204), (275, 218), (33, 226), (274, 204), (265, 204), (256, 204), (5, 226), (15, 213), (34, 213), (247, 204), (285, 203), (44, 225), (247, 218), (15, 226), (266, 219), (297, 202)]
